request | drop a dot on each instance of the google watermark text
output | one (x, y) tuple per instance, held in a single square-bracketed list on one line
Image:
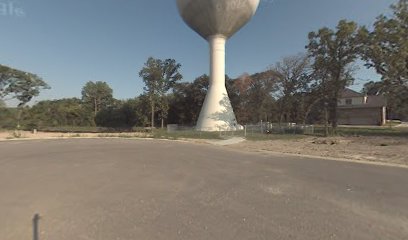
[(11, 9)]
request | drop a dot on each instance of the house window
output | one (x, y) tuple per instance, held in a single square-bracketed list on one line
[(349, 101)]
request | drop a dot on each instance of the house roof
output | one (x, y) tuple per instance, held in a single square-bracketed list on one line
[(348, 93)]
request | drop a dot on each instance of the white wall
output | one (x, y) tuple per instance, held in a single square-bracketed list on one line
[(354, 101)]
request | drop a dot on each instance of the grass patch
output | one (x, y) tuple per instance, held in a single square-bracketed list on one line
[(75, 135), (76, 129), (265, 137), (163, 134), (388, 132), (191, 134), (124, 135), (366, 131)]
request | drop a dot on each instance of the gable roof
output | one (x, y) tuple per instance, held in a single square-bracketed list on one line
[(348, 93)]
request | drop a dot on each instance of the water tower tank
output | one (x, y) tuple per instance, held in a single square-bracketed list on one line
[(216, 21)]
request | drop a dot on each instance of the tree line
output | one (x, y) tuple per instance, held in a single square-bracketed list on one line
[(303, 88)]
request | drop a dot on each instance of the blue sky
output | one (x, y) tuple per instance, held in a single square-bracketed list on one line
[(71, 42)]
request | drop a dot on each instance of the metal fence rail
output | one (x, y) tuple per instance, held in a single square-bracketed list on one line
[(249, 130), (276, 128)]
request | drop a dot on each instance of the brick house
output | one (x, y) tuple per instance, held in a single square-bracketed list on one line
[(355, 108)]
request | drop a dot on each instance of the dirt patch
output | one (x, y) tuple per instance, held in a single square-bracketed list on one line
[(374, 149)]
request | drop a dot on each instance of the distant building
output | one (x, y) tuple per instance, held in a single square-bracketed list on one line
[(355, 108)]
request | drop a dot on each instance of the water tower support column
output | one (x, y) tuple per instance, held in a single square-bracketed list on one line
[(216, 21), (217, 113), (217, 60)]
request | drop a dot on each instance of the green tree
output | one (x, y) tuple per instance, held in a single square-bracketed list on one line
[(293, 75), (386, 50), (333, 52), (373, 88), (20, 85), (386, 47), (123, 115), (97, 95), (57, 113), (187, 100), (8, 118), (159, 77), (256, 101)]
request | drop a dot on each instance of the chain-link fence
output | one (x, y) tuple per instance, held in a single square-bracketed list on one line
[(261, 130), (276, 128)]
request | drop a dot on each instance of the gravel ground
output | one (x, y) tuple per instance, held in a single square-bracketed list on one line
[(373, 149)]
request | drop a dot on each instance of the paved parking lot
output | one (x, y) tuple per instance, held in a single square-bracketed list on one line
[(146, 189)]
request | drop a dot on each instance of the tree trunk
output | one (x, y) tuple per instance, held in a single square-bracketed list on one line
[(326, 121), (19, 112), (162, 122), (309, 109), (334, 114), (333, 102), (152, 123), (95, 107)]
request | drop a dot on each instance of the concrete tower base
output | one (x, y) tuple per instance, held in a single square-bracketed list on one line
[(217, 113)]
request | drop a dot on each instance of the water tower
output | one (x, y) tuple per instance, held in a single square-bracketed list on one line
[(216, 21)]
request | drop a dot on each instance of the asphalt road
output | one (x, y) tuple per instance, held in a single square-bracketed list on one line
[(117, 189)]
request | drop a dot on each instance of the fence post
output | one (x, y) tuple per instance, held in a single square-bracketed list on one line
[(245, 129), (36, 220)]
